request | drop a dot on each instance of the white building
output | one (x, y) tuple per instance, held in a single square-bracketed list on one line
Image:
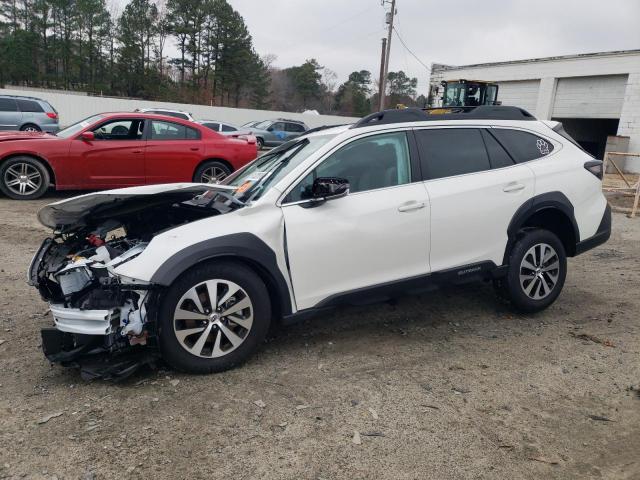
[(594, 95)]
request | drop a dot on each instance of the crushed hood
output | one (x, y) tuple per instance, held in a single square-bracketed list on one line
[(94, 208)]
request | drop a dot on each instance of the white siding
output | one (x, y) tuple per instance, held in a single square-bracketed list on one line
[(590, 97), (522, 94)]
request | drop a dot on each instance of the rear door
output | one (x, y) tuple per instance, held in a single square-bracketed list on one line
[(10, 116), (31, 111), (173, 152), (116, 157), (475, 188), (294, 130)]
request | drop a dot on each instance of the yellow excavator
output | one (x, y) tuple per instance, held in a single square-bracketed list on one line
[(469, 93)]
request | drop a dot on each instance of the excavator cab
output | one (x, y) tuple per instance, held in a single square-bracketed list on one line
[(469, 93)]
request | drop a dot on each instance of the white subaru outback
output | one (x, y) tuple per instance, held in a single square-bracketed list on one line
[(399, 202)]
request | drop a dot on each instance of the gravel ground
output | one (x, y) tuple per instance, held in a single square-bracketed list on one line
[(451, 384)]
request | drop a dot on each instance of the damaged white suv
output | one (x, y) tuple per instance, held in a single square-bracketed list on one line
[(398, 203)]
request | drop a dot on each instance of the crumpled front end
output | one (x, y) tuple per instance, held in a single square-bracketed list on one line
[(98, 315), (105, 322)]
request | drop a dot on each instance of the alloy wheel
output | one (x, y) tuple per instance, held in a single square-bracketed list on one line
[(30, 129), (539, 271), (213, 318), (22, 179), (213, 175)]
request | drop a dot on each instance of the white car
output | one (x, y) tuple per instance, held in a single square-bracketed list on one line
[(169, 113), (399, 202)]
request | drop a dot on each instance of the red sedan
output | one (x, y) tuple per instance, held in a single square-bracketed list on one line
[(113, 150)]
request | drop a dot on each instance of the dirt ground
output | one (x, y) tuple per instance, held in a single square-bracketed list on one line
[(451, 384)]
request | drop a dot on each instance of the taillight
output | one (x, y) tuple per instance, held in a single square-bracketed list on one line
[(595, 167), (53, 115)]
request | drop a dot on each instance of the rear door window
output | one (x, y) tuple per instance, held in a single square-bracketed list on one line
[(498, 156), (228, 128), (295, 128), (522, 146), (29, 106), (172, 131), (8, 105), (451, 152), (213, 126)]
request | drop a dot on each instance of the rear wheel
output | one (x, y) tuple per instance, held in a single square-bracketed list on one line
[(30, 127), (23, 178), (213, 318), (211, 172), (537, 271), (260, 143)]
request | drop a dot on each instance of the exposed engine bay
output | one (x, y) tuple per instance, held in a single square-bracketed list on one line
[(100, 316)]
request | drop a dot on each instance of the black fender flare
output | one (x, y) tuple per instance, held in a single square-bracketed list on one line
[(550, 200), (245, 247)]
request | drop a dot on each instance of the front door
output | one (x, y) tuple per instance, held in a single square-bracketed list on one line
[(375, 235), (116, 157), (10, 116)]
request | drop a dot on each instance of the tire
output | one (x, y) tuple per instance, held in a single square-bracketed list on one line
[(24, 178), (260, 143), (216, 343), (211, 171), (541, 281), (30, 127)]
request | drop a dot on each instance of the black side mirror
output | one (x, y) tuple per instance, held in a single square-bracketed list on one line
[(328, 188)]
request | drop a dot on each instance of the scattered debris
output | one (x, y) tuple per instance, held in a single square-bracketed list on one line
[(374, 414), (283, 424), (302, 407), (433, 407), (46, 418), (260, 403), (2, 341), (599, 418), (372, 434), (460, 390), (356, 438), (174, 383), (545, 460), (354, 403), (592, 338), (508, 447)]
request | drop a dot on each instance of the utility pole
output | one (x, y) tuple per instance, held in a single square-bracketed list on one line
[(383, 87)]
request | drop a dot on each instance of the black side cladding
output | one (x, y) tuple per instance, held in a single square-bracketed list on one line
[(244, 246)]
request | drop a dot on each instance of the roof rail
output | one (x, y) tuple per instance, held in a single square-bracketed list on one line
[(484, 112)]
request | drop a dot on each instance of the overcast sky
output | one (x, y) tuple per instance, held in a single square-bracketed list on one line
[(346, 35)]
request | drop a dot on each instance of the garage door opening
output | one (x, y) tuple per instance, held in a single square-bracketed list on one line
[(591, 133)]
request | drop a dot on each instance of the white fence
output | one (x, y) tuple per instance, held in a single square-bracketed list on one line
[(73, 107)]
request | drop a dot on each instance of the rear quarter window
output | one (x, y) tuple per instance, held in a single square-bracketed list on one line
[(522, 146)]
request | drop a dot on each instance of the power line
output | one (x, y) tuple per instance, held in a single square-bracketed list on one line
[(409, 50)]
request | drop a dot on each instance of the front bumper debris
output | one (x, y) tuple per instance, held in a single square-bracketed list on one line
[(85, 322)]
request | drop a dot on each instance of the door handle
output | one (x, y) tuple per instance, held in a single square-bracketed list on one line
[(513, 187), (137, 151), (194, 149), (410, 207)]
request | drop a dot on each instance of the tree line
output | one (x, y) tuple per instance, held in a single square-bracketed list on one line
[(85, 45)]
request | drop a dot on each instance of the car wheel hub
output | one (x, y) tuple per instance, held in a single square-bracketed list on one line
[(539, 271), (213, 175), (22, 178), (213, 318)]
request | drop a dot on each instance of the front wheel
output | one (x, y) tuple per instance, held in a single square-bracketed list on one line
[(211, 172), (537, 271), (213, 318), (23, 178)]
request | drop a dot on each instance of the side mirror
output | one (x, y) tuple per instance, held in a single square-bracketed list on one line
[(88, 136), (271, 129), (328, 188)]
